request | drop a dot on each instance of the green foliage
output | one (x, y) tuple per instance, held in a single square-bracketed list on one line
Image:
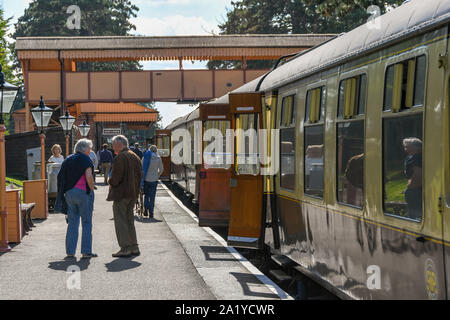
[(158, 123), (294, 17), (4, 50), (98, 18)]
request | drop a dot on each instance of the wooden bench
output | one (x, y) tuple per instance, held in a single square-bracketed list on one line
[(27, 223)]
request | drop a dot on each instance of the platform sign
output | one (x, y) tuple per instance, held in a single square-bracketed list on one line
[(112, 131)]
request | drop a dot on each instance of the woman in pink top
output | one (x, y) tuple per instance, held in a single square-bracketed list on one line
[(76, 188)]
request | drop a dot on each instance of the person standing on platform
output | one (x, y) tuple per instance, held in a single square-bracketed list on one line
[(94, 159), (126, 177), (137, 151), (56, 157), (106, 160), (153, 169), (76, 198)]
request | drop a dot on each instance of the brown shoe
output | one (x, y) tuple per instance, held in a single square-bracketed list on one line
[(122, 254)]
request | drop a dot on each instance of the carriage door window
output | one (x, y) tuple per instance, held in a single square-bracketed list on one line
[(247, 156), (350, 141), (314, 142), (163, 145), (217, 157), (287, 143), (403, 139)]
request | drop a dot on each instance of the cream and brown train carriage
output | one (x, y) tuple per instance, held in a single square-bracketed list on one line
[(361, 200)]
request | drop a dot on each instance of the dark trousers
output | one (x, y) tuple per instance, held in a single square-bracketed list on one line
[(150, 195), (124, 224)]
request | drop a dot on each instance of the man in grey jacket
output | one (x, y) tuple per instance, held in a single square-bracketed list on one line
[(153, 169)]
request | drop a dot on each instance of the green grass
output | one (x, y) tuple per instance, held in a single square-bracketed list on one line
[(394, 190)]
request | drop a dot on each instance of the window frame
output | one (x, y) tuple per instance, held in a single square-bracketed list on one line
[(337, 161), (292, 126), (397, 115), (205, 143), (321, 122), (349, 75), (403, 57), (357, 117)]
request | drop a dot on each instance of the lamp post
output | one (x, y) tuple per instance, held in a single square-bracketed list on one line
[(42, 115), (84, 129), (8, 95), (67, 122)]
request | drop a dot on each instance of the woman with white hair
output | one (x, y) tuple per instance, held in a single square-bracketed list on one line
[(413, 172), (76, 198)]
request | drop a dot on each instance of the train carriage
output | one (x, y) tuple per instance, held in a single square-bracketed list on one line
[(361, 200)]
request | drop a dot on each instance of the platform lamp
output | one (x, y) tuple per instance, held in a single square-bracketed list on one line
[(67, 122), (84, 129), (8, 95), (42, 115)]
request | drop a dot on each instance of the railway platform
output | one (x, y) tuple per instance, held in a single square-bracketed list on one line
[(178, 260)]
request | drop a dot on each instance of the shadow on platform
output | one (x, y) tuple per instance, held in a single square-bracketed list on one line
[(122, 264), (64, 265), (217, 253), (247, 281), (146, 220)]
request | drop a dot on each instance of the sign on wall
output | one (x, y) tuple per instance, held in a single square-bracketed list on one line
[(112, 131)]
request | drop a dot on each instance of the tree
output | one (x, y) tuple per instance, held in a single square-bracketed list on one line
[(294, 17), (5, 61), (98, 18)]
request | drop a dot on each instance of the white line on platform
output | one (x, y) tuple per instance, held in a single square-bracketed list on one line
[(272, 286)]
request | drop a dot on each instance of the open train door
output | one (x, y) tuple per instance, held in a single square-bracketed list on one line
[(214, 206), (246, 183), (163, 145)]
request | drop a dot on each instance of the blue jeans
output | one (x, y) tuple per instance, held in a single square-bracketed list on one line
[(80, 205), (150, 195)]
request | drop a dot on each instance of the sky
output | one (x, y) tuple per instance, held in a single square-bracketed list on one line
[(161, 18)]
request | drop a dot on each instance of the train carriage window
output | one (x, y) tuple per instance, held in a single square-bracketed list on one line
[(405, 84), (314, 142), (247, 157), (287, 118), (402, 166), (352, 96), (350, 163), (163, 145), (287, 143), (315, 105), (217, 158), (419, 89), (362, 94)]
